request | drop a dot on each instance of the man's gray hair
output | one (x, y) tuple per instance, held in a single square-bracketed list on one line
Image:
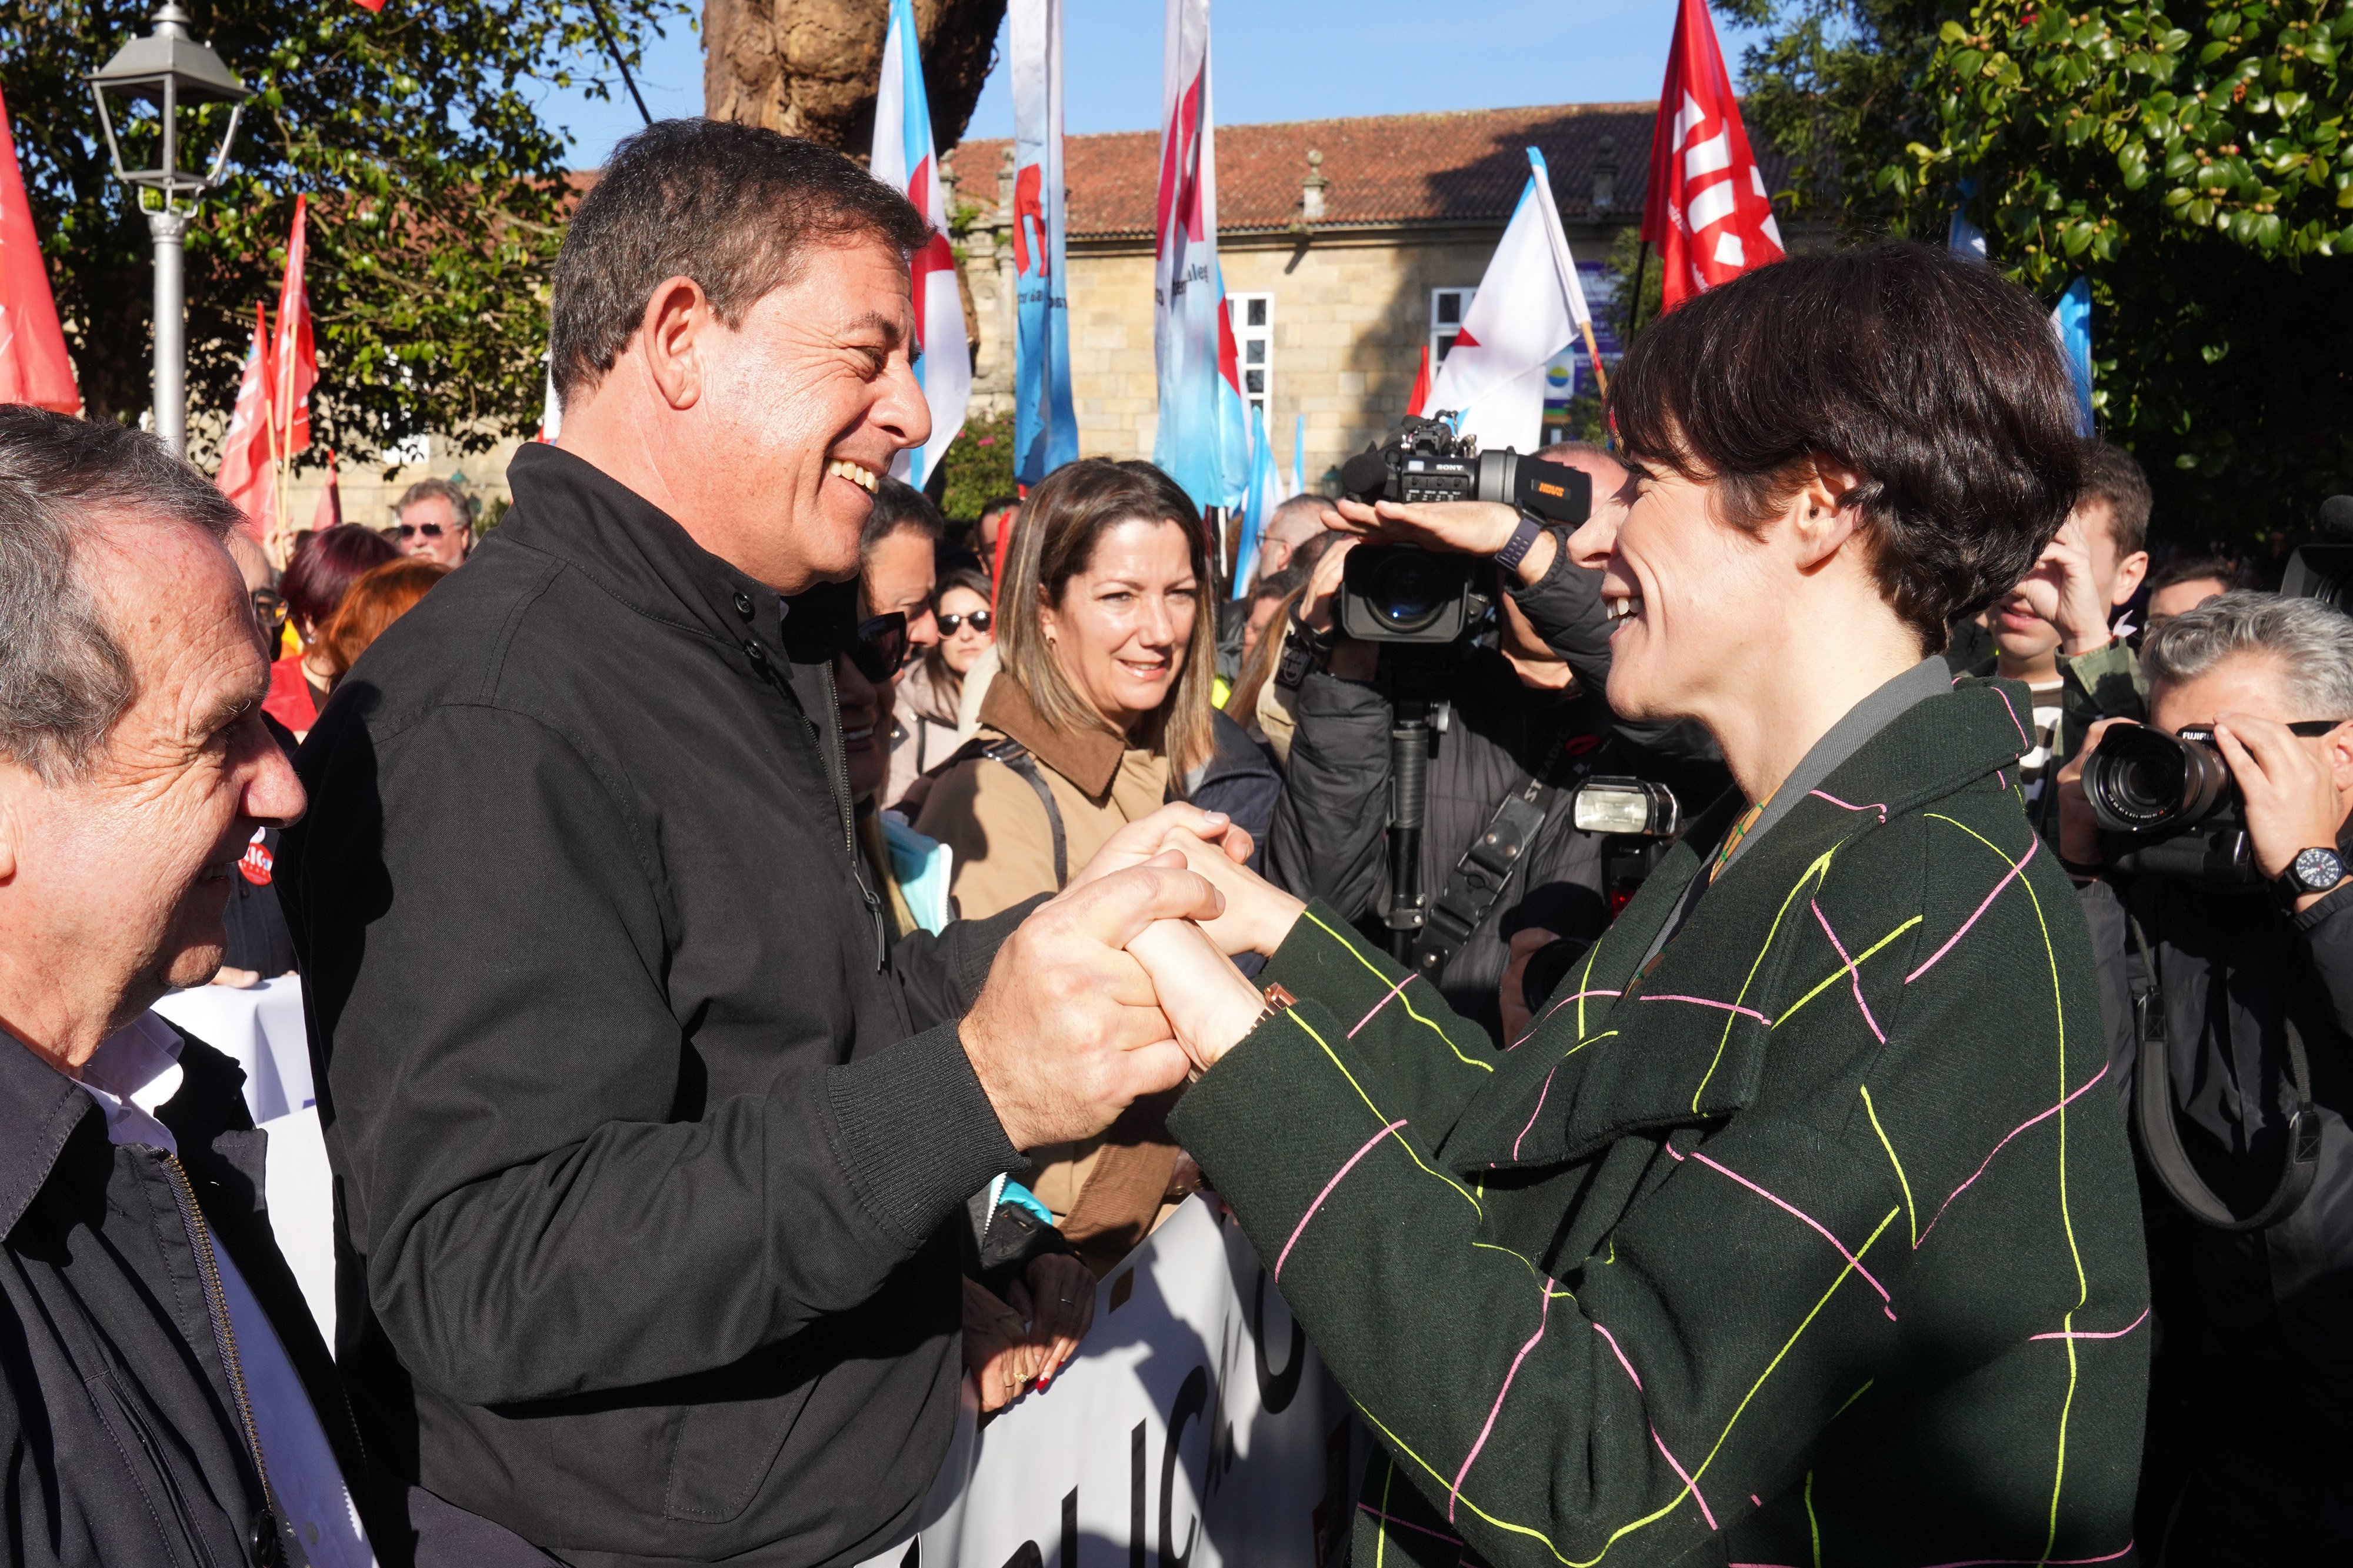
[(2312, 644), (460, 500), (64, 679)]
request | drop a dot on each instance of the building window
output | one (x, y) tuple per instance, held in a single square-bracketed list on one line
[(1253, 317), (1447, 308)]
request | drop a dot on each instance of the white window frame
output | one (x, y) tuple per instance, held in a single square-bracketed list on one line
[(1442, 333), (1238, 308)]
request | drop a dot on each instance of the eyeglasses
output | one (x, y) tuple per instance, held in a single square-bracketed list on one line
[(270, 609), (980, 620), (880, 647), (409, 530)]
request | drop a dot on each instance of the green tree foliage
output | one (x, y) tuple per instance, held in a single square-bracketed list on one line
[(2193, 165), (436, 190), (979, 467)]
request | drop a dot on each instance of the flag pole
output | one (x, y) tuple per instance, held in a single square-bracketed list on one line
[(1634, 305), (1593, 353)]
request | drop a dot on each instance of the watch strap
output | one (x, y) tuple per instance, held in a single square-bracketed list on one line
[(1524, 538)]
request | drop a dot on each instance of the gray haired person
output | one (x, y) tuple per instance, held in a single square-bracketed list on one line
[(436, 522), (165, 1396), (2230, 1014)]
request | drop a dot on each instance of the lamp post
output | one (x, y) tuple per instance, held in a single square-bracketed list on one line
[(168, 69)]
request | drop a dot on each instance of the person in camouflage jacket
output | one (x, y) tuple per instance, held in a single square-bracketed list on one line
[(1787, 1234)]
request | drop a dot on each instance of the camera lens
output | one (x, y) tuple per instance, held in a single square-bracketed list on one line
[(1409, 591), (2145, 780)]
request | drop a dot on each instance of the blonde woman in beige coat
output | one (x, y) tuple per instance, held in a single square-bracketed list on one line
[(1105, 643)]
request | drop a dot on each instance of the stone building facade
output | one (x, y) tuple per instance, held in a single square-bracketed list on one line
[(1346, 245)]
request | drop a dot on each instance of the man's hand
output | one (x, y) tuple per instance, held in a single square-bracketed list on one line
[(1208, 1002), (1058, 1296), (2079, 830), (1511, 994), (1066, 1032), (2290, 793), (2062, 590), (1147, 836), (1324, 582), (1453, 527)]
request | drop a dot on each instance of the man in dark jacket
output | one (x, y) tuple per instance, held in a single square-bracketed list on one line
[(2250, 1404), (643, 1211), (164, 1398)]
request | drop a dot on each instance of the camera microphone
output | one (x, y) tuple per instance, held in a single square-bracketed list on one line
[(1365, 474), (2336, 517)]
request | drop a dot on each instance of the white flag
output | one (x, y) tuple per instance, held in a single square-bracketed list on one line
[(903, 160), (1527, 310)]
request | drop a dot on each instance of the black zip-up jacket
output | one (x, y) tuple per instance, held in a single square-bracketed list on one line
[(120, 1439), (644, 1146)]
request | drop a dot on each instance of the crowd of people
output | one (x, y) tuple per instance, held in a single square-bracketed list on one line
[(769, 952)]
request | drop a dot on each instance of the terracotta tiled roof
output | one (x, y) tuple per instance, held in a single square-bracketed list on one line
[(1466, 167)]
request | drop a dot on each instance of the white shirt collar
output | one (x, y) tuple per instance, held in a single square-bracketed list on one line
[(131, 1076)]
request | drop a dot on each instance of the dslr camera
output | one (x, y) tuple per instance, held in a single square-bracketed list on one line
[(2168, 808), (1401, 594)]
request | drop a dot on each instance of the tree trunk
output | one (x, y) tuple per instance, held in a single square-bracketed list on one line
[(810, 68)]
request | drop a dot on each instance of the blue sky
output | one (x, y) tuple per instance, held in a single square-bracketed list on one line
[(1275, 59)]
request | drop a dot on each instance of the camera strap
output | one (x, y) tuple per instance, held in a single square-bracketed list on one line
[(1478, 877), (2160, 1137)]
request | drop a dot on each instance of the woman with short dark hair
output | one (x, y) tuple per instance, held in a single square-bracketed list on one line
[(1782, 1237)]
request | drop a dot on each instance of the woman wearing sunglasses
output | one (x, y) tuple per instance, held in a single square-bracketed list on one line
[(1101, 703), (925, 734)]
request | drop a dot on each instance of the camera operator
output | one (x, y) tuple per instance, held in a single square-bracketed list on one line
[(1527, 712), (2241, 997)]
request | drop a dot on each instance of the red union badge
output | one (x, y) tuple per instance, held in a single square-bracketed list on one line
[(255, 865)]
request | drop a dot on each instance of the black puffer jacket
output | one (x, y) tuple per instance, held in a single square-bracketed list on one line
[(1331, 839), (644, 1149), (118, 1441)]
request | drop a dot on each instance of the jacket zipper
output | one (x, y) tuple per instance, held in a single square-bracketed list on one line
[(849, 823), (223, 1334)]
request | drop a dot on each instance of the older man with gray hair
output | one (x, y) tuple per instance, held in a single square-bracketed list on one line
[(165, 1396), (2230, 1011)]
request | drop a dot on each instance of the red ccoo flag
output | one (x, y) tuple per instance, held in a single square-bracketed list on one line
[(1417, 403), (294, 359), (33, 364), (246, 475), (1707, 211)]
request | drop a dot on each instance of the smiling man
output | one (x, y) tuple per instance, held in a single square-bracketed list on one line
[(648, 1150)]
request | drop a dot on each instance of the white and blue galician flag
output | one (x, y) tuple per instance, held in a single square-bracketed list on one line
[(1528, 309), (904, 159), (2071, 322), (1045, 430), (1299, 454), (1202, 440), (1963, 237), (1265, 493)]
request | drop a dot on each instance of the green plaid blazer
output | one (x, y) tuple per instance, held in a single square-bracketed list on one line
[(1816, 1242)]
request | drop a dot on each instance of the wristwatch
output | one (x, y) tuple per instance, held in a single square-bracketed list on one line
[(2314, 871), (1524, 538)]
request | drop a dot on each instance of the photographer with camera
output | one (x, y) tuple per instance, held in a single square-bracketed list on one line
[(2211, 847)]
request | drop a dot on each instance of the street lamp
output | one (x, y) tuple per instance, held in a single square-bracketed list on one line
[(168, 69)]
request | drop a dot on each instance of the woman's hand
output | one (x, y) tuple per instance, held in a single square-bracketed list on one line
[(1206, 1001), (1058, 1296), (1258, 915), (998, 1350), (1148, 836)]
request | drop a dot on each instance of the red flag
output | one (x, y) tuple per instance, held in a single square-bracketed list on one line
[(247, 477), (331, 501), (1418, 402), (294, 361), (33, 364), (1708, 212)]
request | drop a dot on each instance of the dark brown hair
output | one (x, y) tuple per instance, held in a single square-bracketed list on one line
[(2111, 475), (1935, 380), (1060, 525), (734, 207), (375, 601)]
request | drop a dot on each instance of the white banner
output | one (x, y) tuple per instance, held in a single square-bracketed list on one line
[(1195, 1428)]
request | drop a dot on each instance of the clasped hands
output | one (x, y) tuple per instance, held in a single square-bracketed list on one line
[(1121, 985)]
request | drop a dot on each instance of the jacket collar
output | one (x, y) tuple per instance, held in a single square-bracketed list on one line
[(1695, 1028), (39, 1109), (1085, 754), (567, 507)]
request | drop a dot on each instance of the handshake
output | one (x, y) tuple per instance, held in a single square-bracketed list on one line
[(1121, 985)]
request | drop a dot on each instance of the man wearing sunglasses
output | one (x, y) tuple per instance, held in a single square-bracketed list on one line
[(437, 522), (650, 1151), (2230, 1011)]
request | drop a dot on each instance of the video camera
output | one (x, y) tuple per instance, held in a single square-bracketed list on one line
[(2168, 808), (2324, 571), (1401, 594)]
